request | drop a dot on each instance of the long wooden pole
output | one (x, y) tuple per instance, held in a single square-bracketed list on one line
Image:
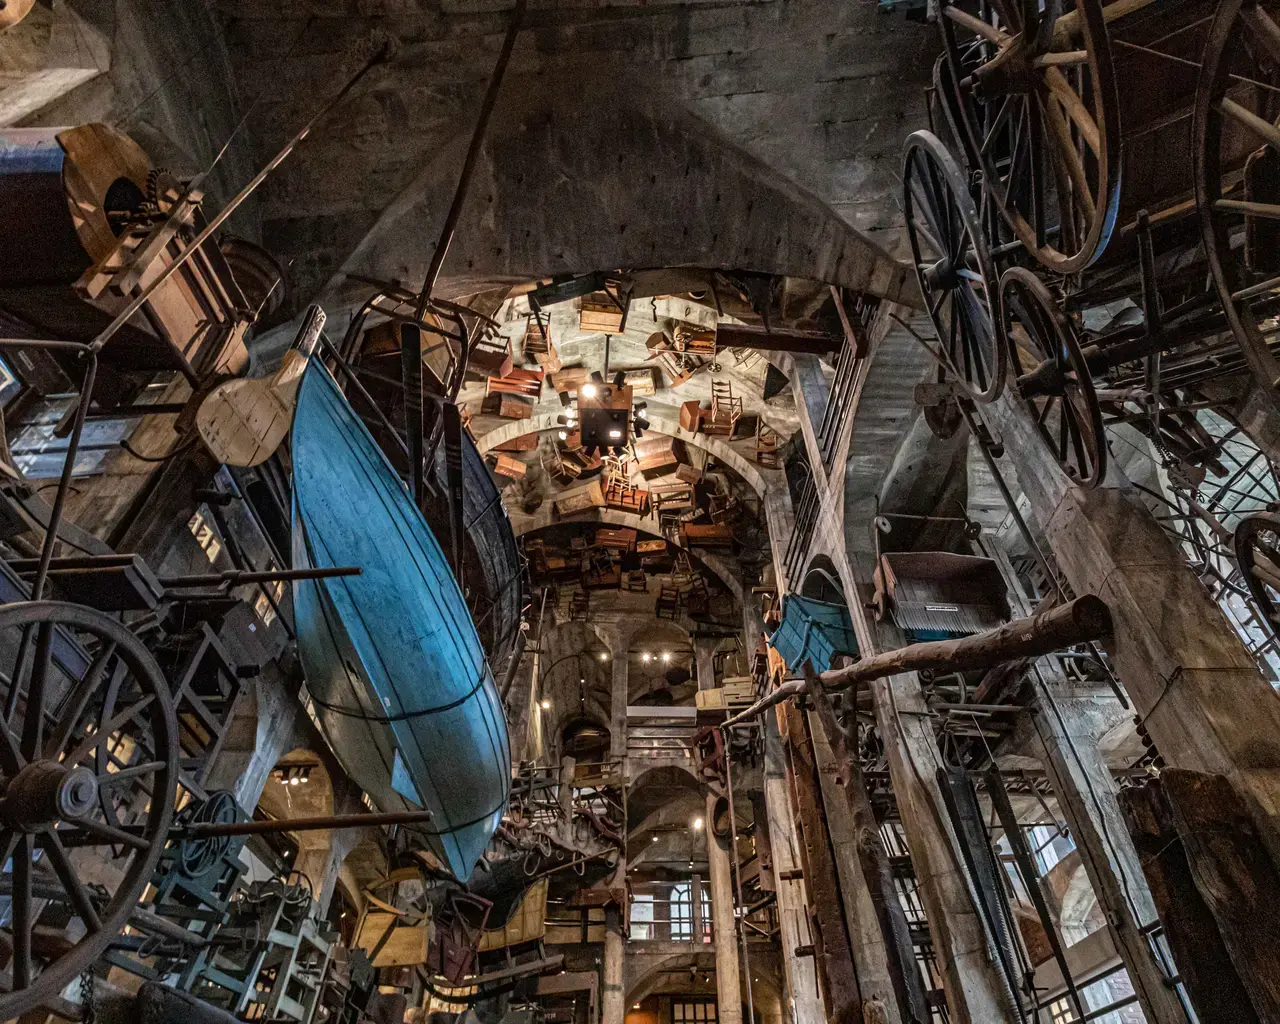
[(1083, 619)]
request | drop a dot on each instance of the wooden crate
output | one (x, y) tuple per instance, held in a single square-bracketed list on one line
[(510, 467), (510, 407), (581, 499), (599, 314), (695, 340), (516, 382), (688, 474), (651, 547), (523, 443)]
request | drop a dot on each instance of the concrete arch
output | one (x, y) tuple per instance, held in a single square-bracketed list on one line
[(647, 981), (543, 422), (568, 187)]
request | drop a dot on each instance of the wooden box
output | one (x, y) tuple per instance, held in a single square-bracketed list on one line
[(568, 380), (643, 381), (621, 539), (510, 467), (581, 499), (484, 361), (656, 455), (707, 535), (599, 315), (523, 443), (516, 382), (651, 547), (510, 407), (672, 497), (625, 498), (691, 415), (688, 474)]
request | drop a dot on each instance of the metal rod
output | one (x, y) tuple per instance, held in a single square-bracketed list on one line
[(236, 577), (741, 915), (469, 165), (125, 314), (201, 830), (64, 481)]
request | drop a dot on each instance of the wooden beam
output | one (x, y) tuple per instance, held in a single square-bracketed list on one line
[(814, 343)]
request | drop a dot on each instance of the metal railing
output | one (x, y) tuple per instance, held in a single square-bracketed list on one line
[(839, 398), (806, 519)]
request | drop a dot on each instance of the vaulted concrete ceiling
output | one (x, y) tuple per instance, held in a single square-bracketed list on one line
[(753, 133)]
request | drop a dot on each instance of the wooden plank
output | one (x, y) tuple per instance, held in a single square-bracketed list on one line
[(523, 443), (397, 945), (777, 340), (510, 467)]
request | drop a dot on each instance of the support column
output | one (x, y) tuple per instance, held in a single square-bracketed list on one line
[(836, 971), (1067, 731), (613, 1006), (1199, 691), (976, 991), (802, 981), (618, 659), (564, 797), (705, 663), (725, 926), (865, 938)]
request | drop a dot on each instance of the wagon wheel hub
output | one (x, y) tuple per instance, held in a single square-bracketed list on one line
[(1010, 71), (46, 792), (942, 276), (1048, 378)]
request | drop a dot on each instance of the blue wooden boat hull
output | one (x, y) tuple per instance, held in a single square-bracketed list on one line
[(393, 662)]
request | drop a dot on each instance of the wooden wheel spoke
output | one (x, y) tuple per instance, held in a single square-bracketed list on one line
[(924, 232), (106, 730), (1261, 127), (975, 25), (1268, 32), (109, 834), (66, 873), (37, 693), (1067, 157), (19, 675), (1267, 211), (75, 705), (21, 913), (1075, 108), (129, 774)]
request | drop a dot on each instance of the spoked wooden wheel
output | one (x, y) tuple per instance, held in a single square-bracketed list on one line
[(1238, 176), (79, 844), (1257, 544), (1037, 97), (1053, 377), (955, 272)]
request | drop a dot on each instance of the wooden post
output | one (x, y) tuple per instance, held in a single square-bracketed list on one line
[(975, 990), (613, 1005), (797, 959), (836, 971), (1067, 732), (725, 928), (883, 951)]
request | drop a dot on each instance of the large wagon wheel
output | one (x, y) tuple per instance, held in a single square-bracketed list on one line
[(1037, 96), (1053, 377), (953, 267), (69, 863), (1257, 545), (1238, 176)]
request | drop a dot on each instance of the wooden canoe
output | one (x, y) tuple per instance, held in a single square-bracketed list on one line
[(394, 665)]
